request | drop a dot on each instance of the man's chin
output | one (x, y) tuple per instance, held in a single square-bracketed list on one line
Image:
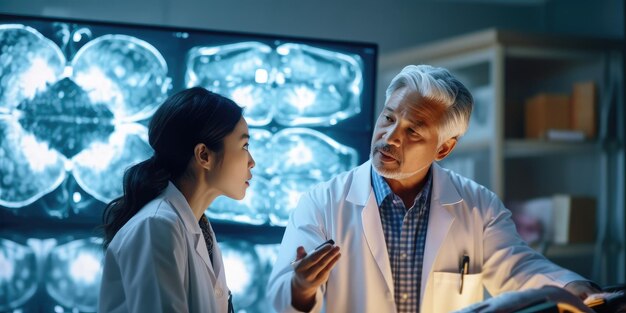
[(385, 169)]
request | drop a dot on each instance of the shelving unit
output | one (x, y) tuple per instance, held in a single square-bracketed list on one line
[(502, 69)]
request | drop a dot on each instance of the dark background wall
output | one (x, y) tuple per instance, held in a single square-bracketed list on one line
[(394, 24)]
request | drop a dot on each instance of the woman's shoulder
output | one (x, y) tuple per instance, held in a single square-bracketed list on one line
[(156, 217)]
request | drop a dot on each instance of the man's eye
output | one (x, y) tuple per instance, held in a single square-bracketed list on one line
[(387, 118), (245, 147)]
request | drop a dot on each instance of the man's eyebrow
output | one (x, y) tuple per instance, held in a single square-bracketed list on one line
[(245, 136), (418, 123)]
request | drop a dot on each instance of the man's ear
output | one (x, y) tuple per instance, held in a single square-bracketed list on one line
[(445, 148), (203, 156)]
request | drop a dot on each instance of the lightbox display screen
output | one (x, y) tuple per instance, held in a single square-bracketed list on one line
[(75, 101)]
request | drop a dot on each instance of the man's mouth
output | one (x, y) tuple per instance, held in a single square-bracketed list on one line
[(386, 156)]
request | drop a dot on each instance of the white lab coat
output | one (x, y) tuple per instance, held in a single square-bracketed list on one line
[(465, 219), (158, 262)]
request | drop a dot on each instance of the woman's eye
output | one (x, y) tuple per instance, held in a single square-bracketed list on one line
[(387, 118)]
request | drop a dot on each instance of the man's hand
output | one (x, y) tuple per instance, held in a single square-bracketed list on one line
[(581, 288), (310, 272)]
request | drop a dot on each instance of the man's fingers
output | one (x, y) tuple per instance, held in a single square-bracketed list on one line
[(315, 257), (323, 263), (325, 271), (319, 272), (300, 253)]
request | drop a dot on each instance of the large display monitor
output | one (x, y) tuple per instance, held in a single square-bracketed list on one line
[(75, 100)]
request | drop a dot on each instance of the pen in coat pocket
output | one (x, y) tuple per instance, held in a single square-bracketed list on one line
[(463, 270)]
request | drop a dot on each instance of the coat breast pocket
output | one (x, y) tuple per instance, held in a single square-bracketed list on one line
[(448, 295)]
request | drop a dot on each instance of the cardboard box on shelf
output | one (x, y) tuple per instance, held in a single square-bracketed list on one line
[(574, 219), (583, 112), (546, 111)]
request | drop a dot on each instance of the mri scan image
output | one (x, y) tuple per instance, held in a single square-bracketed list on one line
[(76, 99)]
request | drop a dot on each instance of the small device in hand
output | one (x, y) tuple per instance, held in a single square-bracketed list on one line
[(332, 242)]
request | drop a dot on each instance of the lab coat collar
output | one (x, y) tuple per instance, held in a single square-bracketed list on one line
[(444, 192), (361, 185), (180, 204)]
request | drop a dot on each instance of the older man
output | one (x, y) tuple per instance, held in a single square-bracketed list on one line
[(413, 236)]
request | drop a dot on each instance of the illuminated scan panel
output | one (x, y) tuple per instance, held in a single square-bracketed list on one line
[(18, 275), (289, 163), (293, 84), (69, 274), (73, 272), (75, 100), (239, 71), (77, 117)]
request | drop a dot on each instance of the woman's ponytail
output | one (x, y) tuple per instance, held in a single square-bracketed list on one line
[(142, 183)]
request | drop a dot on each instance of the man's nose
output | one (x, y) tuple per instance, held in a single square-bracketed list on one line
[(392, 136)]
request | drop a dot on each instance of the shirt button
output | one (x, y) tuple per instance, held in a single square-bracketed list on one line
[(404, 297), (219, 292), (403, 256)]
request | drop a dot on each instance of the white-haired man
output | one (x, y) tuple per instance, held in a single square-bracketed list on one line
[(414, 237)]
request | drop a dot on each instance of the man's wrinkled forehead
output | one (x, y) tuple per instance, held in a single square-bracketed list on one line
[(418, 108)]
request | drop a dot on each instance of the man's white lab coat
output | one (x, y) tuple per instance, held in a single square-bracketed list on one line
[(158, 262), (465, 219)]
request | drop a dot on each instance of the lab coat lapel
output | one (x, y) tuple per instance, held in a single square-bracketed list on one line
[(361, 194), (178, 201), (444, 196)]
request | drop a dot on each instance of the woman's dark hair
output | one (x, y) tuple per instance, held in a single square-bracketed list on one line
[(185, 119)]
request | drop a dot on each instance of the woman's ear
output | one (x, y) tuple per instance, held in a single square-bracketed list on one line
[(203, 156), (445, 148)]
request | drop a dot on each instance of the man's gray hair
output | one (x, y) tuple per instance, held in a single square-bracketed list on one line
[(437, 84)]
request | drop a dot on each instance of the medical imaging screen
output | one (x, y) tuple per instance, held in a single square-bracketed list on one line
[(75, 101)]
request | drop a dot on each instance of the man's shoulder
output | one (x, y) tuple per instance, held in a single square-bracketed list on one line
[(467, 188)]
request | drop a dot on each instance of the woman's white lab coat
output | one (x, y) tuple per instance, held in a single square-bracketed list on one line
[(158, 262), (465, 219)]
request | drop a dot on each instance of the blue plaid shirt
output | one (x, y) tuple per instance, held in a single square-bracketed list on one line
[(405, 234)]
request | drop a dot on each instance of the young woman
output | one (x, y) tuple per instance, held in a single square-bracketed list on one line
[(161, 253)]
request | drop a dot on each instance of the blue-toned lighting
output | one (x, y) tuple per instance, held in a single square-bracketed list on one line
[(299, 155), (37, 76), (22, 157), (62, 107), (282, 50), (261, 76), (85, 268), (252, 209), (76, 197), (73, 273), (243, 96), (302, 98), (300, 85), (28, 63), (308, 152), (288, 190), (242, 269), (18, 274)]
